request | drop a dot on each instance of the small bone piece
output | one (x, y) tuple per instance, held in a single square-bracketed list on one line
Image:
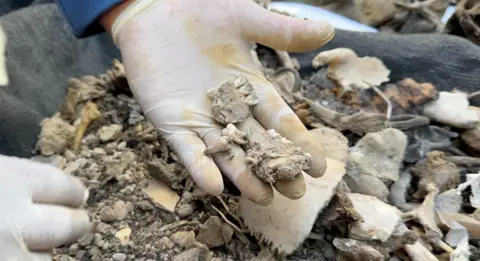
[(90, 113), (417, 252), (355, 250), (425, 214), (223, 145), (235, 134)]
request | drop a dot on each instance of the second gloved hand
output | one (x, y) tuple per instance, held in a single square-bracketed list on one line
[(175, 50), (38, 209)]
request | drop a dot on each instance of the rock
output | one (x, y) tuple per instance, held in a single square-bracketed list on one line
[(185, 239), (107, 214), (379, 218), (213, 234), (184, 210), (189, 255), (472, 138), (332, 141), (108, 133), (119, 257), (120, 209), (367, 185), (379, 154), (86, 239), (74, 166), (144, 205), (66, 258), (451, 108)]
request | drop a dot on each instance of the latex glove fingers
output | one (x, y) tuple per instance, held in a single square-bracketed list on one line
[(232, 164), (274, 113), (280, 31), (46, 183), (51, 226)]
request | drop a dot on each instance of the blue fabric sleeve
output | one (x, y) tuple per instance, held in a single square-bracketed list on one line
[(83, 15)]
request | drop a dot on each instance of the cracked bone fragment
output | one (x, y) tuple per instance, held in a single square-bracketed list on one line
[(379, 218), (350, 71), (418, 252), (79, 90), (425, 215), (90, 113)]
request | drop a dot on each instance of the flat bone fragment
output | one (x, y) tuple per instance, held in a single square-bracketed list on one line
[(286, 223), (162, 195), (380, 154), (425, 215), (437, 170), (55, 136), (272, 157), (379, 218), (452, 109), (350, 71), (471, 224)]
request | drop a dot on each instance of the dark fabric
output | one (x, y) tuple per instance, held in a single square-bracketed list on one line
[(82, 15), (42, 54), (444, 60)]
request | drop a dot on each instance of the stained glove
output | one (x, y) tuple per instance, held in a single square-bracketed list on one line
[(38, 209), (175, 50)]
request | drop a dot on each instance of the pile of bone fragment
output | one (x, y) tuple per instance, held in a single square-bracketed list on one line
[(411, 189)]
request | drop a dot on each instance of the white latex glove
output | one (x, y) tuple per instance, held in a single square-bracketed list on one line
[(175, 50), (38, 209)]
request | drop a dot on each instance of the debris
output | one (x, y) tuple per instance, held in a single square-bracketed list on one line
[(214, 234), (473, 180), (380, 154), (353, 250), (365, 184), (465, 22), (79, 91), (111, 132), (437, 170), (350, 71), (379, 218), (451, 108), (162, 195), (398, 191), (472, 138), (188, 255), (56, 136), (425, 139), (286, 81)]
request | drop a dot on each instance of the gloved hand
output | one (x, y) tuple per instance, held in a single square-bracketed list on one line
[(175, 50), (38, 209)]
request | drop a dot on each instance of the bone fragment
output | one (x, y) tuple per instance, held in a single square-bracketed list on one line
[(286, 223), (417, 252), (90, 113)]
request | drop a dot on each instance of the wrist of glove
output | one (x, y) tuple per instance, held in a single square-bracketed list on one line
[(39, 209), (174, 51)]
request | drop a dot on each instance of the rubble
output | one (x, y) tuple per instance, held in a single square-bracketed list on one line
[(392, 189)]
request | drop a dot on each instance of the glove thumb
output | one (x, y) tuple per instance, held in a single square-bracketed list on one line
[(279, 31)]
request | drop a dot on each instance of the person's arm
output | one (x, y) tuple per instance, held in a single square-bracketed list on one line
[(84, 16)]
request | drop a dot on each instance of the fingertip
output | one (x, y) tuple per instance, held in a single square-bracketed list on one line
[(292, 189), (209, 179), (307, 142)]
